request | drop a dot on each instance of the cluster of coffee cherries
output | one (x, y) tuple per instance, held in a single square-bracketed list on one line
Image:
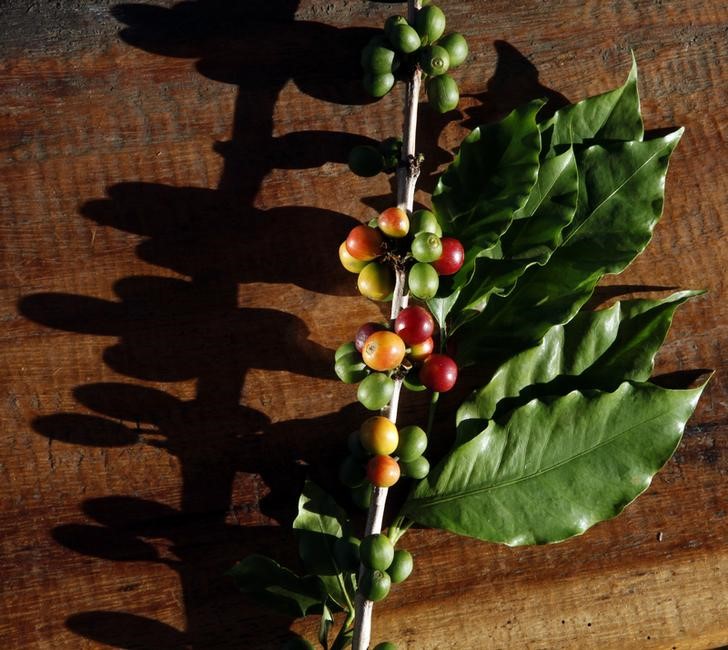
[(380, 454), (393, 239), (403, 46), (379, 354), (383, 565)]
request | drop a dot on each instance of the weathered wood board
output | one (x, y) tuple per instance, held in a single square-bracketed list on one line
[(171, 201)]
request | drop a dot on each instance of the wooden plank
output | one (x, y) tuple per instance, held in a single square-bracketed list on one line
[(171, 204)]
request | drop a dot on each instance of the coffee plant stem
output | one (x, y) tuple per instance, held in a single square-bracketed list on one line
[(407, 174)]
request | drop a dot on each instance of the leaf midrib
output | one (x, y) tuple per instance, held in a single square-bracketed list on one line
[(430, 501)]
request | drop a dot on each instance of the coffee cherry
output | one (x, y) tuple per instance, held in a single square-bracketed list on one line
[(375, 391), (423, 281), (391, 150), (364, 332), (379, 435), (350, 368), (365, 160), (452, 258), (385, 645), (425, 221), (376, 552), (375, 585), (378, 58), (376, 281), (353, 443), (383, 471), (456, 46), (417, 468), (439, 373), (394, 222), (391, 23), (348, 261), (434, 60), (362, 495), (352, 472), (426, 247), (296, 643), (412, 443), (430, 23), (383, 351), (344, 348), (378, 85), (401, 567), (414, 325), (421, 351), (364, 243), (442, 93), (404, 38)]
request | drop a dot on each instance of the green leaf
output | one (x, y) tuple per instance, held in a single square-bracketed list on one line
[(555, 469), (532, 237), (595, 350), (614, 115), (270, 584), (490, 178), (619, 202), (320, 521)]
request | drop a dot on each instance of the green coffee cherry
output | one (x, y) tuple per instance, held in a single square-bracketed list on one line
[(385, 645), (350, 368), (378, 57), (375, 585), (375, 391), (427, 247), (376, 552), (412, 382), (352, 472), (412, 443), (378, 85), (353, 442), (456, 46), (417, 468), (365, 160), (404, 38), (425, 221), (430, 23), (391, 23), (442, 93), (401, 566), (434, 60), (423, 281), (344, 348)]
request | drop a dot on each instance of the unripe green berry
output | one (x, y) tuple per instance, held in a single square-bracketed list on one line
[(423, 281), (385, 645), (344, 348), (375, 391), (401, 566), (352, 472), (379, 58), (443, 93), (404, 38), (350, 368), (374, 585), (362, 495), (456, 46), (426, 247), (417, 468), (434, 60), (296, 643), (430, 23), (378, 85), (391, 23), (412, 443), (425, 221)]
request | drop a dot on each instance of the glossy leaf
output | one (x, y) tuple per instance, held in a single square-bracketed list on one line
[(614, 115), (270, 584), (320, 521), (490, 178), (532, 237), (620, 200), (554, 469), (595, 350)]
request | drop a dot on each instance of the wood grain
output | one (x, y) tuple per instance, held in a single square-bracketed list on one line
[(172, 197)]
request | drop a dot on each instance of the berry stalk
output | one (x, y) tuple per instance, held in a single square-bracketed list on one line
[(407, 173)]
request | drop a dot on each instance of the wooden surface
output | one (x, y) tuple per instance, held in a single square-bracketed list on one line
[(171, 202)]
